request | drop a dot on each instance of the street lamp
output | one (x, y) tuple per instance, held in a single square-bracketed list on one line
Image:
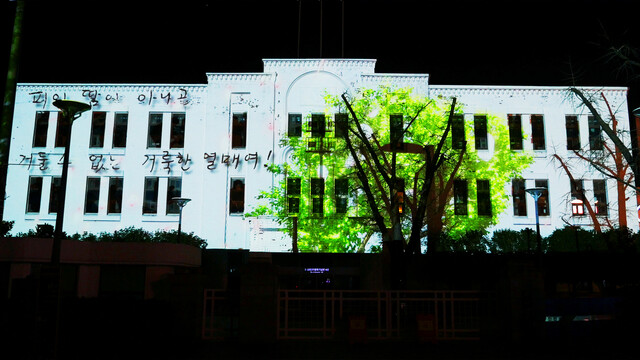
[(536, 192), (70, 111), (181, 202)]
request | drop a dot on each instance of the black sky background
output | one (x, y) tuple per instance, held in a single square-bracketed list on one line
[(457, 42)]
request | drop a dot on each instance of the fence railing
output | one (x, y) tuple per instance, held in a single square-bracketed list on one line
[(219, 315)]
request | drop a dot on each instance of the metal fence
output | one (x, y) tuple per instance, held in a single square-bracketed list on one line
[(384, 314)]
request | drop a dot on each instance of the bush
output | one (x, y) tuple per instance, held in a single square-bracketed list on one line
[(5, 227), (511, 241), (474, 241)]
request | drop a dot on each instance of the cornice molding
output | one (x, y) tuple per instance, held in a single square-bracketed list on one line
[(238, 77), (396, 79), (364, 65), (459, 90), (134, 88)]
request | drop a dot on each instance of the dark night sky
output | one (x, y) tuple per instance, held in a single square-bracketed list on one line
[(457, 42)]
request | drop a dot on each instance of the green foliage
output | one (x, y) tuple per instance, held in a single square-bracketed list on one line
[(474, 241), (511, 241)]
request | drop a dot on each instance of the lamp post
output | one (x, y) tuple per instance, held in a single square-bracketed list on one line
[(70, 111), (536, 192), (181, 202)]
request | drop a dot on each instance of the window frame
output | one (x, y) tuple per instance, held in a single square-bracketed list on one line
[(538, 132), (572, 131), (519, 197), (484, 197), (114, 197), (461, 197), (54, 193), (116, 140), (596, 141), (98, 127), (92, 189), (172, 207), (600, 193), (239, 206), (154, 130), (481, 133), (40, 129), (515, 132), (177, 131), (294, 125), (458, 136), (238, 130), (148, 207), (30, 193)]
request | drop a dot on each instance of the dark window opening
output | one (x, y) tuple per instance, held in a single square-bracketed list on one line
[(515, 132), (543, 200), (150, 201), (537, 132), (457, 132), (236, 196), (595, 134), (480, 132), (154, 138), (484, 197), (317, 196), (600, 194), (396, 127), (177, 130), (120, 123), (295, 125), (174, 189), (577, 197), (342, 195), (293, 194), (318, 125), (35, 194), (239, 131), (54, 195), (519, 197), (62, 131), (41, 129), (341, 126), (114, 205), (460, 197), (98, 120), (573, 132), (92, 195)]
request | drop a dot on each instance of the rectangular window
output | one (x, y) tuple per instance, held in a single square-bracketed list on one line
[(92, 195), (457, 132), (318, 126), (98, 120), (543, 200), (396, 126), (595, 134), (515, 131), (62, 132), (120, 123), (293, 194), (600, 195), (295, 125), (577, 197), (317, 196), (239, 131), (115, 195), (174, 189), (484, 197), (341, 126), (537, 132), (54, 195), (460, 197), (342, 195), (154, 137), (35, 194), (480, 132), (236, 196), (177, 130), (519, 197), (41, 129), (150, 200), (573, 132)]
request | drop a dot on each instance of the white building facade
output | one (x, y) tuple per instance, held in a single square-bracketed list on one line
[(141, 145)]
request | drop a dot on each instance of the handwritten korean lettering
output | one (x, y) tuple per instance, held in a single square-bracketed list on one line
[(152, 159), (92, 95), (211, 160), (252, 157), (183, 161), (43, 160), (39, 97), (166, 159)]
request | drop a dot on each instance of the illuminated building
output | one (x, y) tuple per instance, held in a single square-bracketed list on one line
[(141, 145)]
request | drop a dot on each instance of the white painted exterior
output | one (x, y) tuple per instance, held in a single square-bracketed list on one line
[(285, 86)]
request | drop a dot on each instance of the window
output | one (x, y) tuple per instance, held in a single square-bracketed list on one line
[(457, 132), (460, 197), (480, 132), (537, 132), (600, 194), (236, 196), (515, 132), (595, 134), (35, 194), (114, 205), (484, 197), (174, 189), (62, 132), (342, 129), (96, 139), (318, 125), (177, 130), (120, 130), (577, 197), (573, 132), (293, 195), (342, 195), (154, 137), (41, 128), (150, 200), (519, 197), (396, 126), (295, 125), (317, 196), (543, 200), (239, 131), (92, 195), (54, 195)]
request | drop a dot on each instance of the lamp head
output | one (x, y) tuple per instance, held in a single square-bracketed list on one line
[(71, 108), (180, 201), (536, 192)]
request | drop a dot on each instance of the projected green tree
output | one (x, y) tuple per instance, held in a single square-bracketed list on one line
[(389, 165)]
